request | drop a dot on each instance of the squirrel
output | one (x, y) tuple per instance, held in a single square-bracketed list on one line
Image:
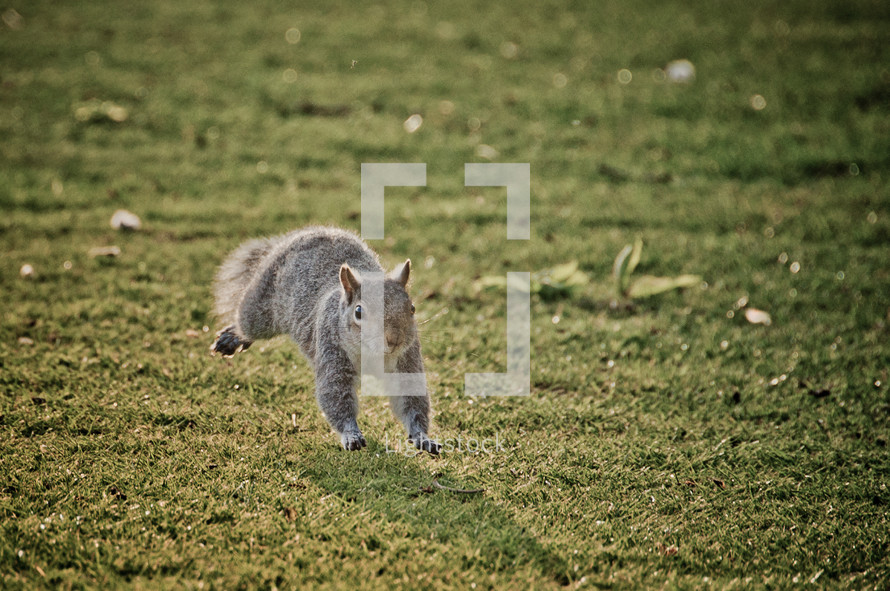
[(308, 284)]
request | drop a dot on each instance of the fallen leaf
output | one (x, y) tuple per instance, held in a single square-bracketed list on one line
[(125, 220), (558, 281), (648, 285), (413, 123), (755, 316), (490, 281), (486, 151), (116, 113), (290, 514), (719, 483), (501, 281), (105, 251), (96, 111), (680, 71)]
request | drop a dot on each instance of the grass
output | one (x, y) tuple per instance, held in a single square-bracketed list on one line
[(667, 442)]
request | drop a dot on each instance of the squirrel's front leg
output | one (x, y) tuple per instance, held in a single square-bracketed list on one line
[(414, 411), (335, 392)]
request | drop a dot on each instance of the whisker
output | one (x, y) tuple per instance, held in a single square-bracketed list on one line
[(435, 316)]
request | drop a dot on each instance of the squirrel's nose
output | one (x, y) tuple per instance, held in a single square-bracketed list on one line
[(392, 340)]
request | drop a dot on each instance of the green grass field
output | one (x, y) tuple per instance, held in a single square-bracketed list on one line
[(667, 442)]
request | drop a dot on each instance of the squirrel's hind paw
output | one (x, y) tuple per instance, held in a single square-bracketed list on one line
[(227, 343)]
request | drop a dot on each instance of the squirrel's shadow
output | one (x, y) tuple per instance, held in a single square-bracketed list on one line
[(401, 489)]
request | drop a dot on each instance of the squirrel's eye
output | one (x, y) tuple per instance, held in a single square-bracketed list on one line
[(358, 312), (412, 308)]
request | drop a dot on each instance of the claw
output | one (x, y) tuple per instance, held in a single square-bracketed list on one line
[(353, 441)]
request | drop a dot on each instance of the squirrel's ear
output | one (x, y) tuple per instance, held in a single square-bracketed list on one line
[(402, 273), (349, 281)]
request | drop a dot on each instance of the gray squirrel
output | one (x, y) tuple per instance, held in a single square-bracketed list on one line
[(307, 284)]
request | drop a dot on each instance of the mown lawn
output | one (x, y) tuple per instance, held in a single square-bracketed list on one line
[(667, 441)]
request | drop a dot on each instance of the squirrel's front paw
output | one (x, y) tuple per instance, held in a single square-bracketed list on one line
[(424, 443), (353, 440), (227, 343)]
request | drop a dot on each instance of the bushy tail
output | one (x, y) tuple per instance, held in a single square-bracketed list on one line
[(235, 275)]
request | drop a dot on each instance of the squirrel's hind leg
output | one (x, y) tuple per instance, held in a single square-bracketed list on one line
[(228, 343)]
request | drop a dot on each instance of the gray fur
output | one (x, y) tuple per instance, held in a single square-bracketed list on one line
[(306, 284)]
